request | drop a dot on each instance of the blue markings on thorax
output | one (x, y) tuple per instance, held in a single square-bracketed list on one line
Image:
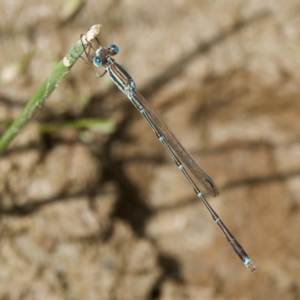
[(122, 79)]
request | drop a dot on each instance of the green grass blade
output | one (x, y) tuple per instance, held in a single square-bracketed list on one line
[(36, 102), (103, 125)]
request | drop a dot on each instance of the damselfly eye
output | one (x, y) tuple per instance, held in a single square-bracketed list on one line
[(97, 61), (114, 48)]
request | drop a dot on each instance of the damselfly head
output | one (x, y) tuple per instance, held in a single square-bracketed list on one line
[(103, 55)]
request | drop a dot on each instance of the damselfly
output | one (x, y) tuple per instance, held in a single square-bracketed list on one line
[(125, 83)]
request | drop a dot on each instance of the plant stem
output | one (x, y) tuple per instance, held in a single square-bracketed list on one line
[(38, 99), (103, 125)]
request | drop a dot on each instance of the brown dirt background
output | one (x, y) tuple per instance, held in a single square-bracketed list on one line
[(91, 215)]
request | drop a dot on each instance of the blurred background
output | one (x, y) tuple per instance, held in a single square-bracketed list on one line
[(102, 212)]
